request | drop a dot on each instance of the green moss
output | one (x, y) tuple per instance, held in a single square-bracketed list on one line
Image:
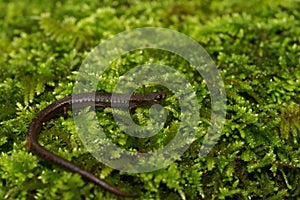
[(256, 46)]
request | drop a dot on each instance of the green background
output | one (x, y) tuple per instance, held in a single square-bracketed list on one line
[(256, 46)]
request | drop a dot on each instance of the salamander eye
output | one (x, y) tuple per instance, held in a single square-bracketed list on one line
[(159, 97)]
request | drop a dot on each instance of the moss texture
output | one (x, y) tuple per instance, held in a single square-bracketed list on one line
[(256, 46)]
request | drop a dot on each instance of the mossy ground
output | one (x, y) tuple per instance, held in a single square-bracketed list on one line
[(256, 46)]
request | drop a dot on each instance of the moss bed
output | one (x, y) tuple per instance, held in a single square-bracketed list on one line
[(255, 45)]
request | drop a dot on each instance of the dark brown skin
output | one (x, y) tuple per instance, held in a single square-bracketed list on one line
[(61, 107)]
